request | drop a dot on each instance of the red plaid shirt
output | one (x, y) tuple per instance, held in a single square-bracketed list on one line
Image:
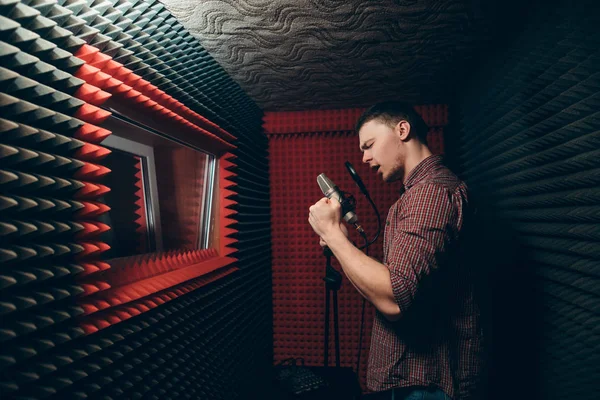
[(437, 340)]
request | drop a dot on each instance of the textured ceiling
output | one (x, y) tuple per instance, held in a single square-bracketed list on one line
[(319, 54)]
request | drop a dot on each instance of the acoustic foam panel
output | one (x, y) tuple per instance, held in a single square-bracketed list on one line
[(92, 17), (337, 120), (141, 221), (44, 237), (296, 156), (165, 52), (58, 291), (528, 148)]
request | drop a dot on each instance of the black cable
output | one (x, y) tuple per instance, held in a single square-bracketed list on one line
[(368, 243), (365, 192)]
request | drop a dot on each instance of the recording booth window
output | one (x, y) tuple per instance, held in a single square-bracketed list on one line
[(161, 194)]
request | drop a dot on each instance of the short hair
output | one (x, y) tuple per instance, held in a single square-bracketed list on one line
[(392, 112)]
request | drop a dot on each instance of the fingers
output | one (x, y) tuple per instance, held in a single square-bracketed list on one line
[(323, 200)]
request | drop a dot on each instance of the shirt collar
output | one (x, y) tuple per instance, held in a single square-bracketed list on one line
[(422, 170)]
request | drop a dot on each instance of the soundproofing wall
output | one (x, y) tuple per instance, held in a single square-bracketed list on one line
[(303, 145), (526, 137), (179, 324)]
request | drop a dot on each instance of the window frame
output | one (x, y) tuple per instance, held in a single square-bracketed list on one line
[(116, 122)]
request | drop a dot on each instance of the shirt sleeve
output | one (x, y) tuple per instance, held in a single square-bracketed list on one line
[(425, 230)]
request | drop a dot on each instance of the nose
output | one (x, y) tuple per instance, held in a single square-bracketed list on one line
[(366, 157)]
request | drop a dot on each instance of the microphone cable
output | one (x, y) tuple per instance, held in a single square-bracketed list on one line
[(367, 242), (365, 192)]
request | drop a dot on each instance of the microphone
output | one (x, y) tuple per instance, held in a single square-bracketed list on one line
[(332, 192)]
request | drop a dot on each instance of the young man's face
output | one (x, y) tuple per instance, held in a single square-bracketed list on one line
[(382, 149)]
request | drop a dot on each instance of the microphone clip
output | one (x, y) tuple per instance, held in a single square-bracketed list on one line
[(348, 202)]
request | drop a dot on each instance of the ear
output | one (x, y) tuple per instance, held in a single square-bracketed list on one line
[(402, 129)]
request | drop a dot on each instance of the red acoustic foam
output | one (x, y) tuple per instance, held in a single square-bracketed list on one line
[(91, 152), (92, 249), (97, 78), (226, 165), (143, 101), (141, 288), (92, 114), (99, 60), (91, 94), (91, 172), (112, 67), (168, 102), (434, 115), (102, 190), (92, 76), (130, 78), (121, 89), (91, 133), (88, 309), (141, 91), (123, 74), (91, 230), (338, 120), (154, 93), (115, 314), (311, 121), (136, 98), (435, 140), (92, 209), (129, 270), (141, 85), (140, 221), (93, 287), (90, 268), (128, 93), (86, 52), (87, 191), (91, 191), (114, 85)]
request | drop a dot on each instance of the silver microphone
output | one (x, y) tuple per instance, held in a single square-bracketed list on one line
[(332, 192)]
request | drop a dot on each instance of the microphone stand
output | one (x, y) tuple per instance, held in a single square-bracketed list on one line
[(333, 282)]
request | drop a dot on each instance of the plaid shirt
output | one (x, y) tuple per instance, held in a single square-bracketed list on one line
[(437, 340)]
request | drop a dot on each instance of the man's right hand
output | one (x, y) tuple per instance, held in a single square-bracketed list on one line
[(322, 243)]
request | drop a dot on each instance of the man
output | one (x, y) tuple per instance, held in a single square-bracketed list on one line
[(426, 337)]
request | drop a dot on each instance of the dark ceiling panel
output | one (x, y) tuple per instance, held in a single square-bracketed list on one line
[(319, 54)]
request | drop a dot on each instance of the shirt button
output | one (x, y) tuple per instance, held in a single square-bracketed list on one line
[(387, 223)]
